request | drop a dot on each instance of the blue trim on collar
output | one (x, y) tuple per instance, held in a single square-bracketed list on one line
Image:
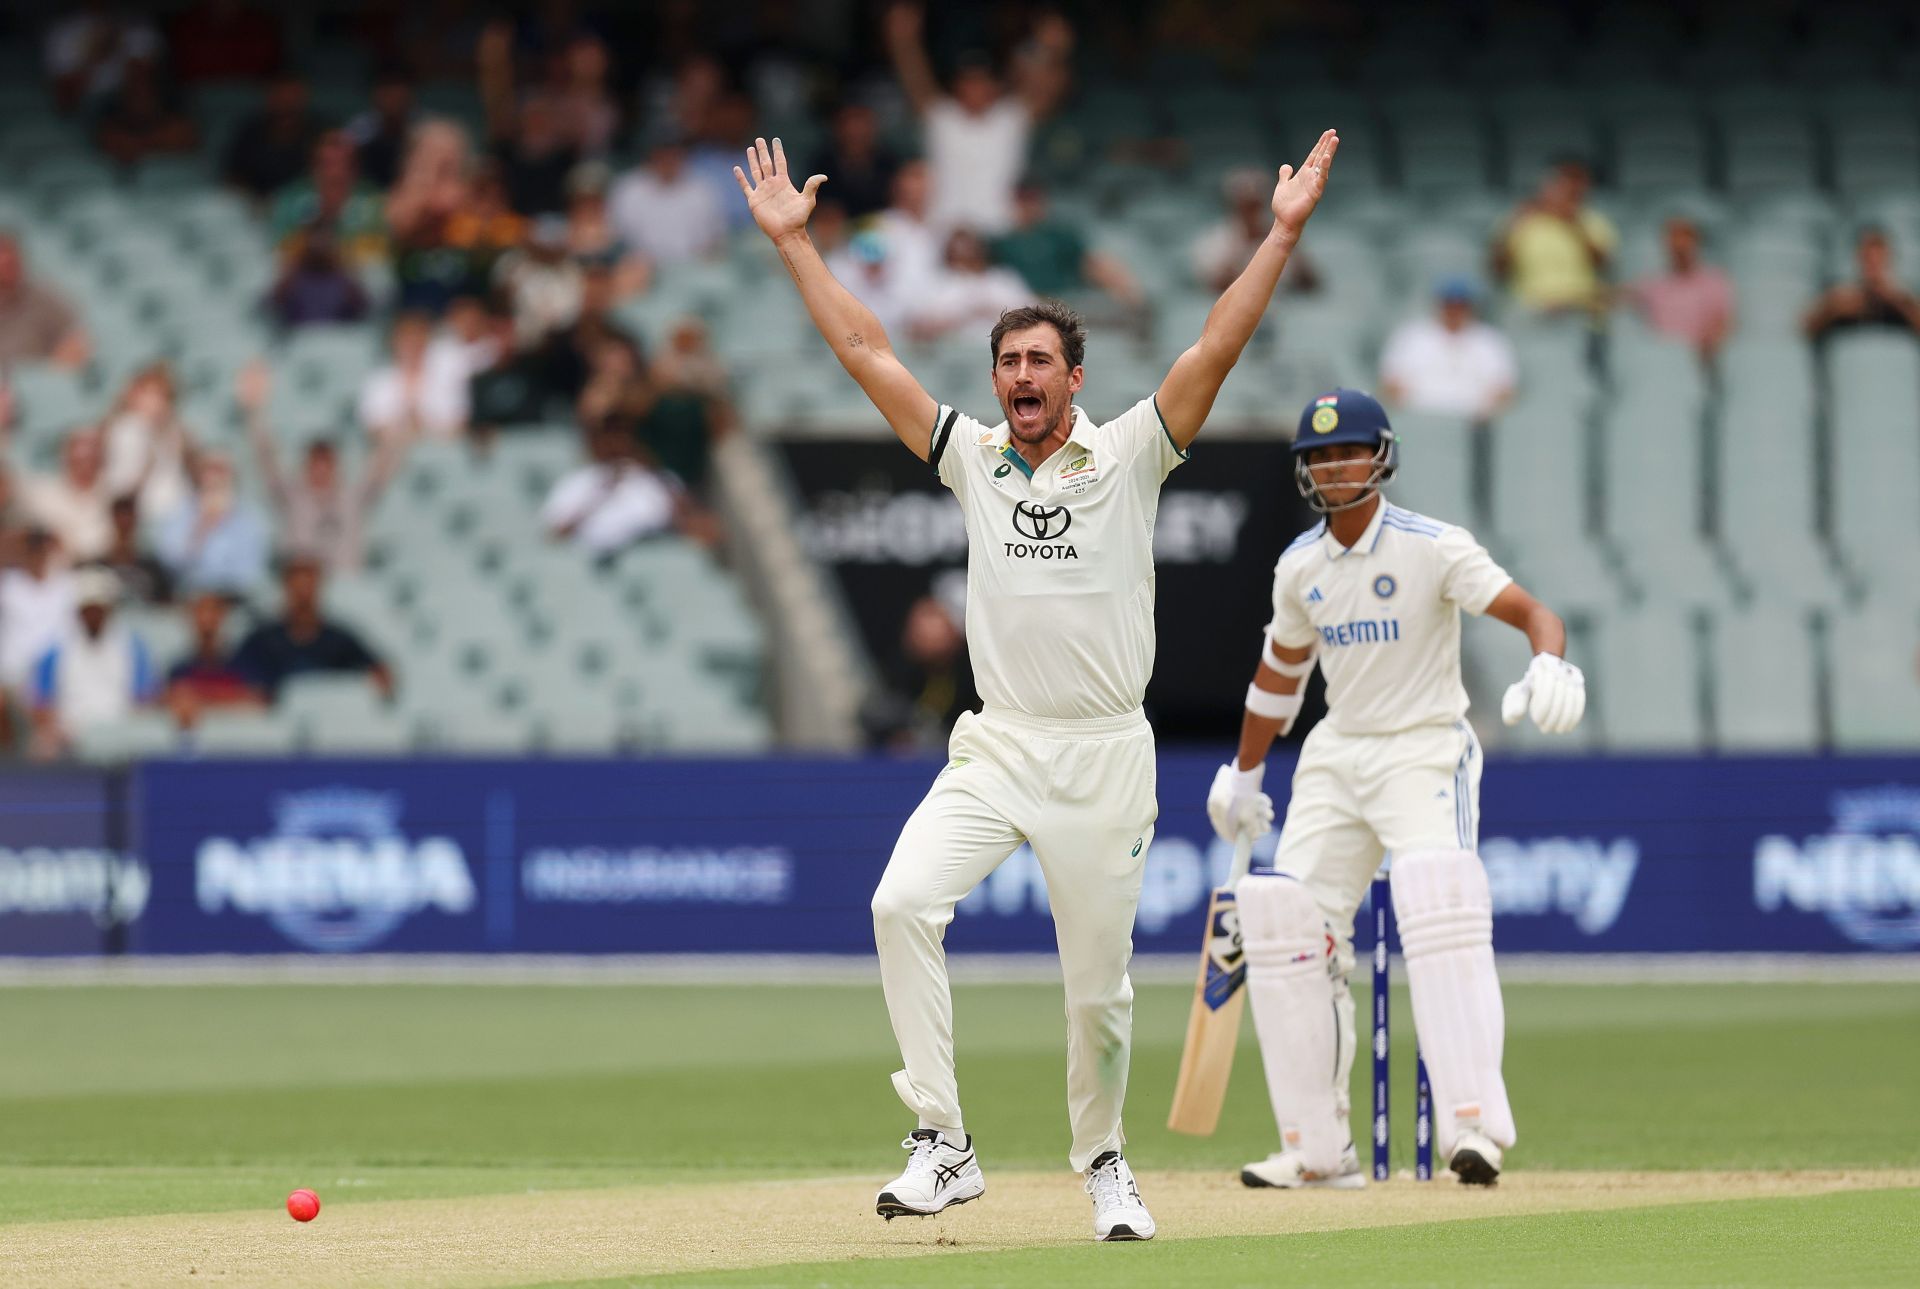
[(1007, 451)]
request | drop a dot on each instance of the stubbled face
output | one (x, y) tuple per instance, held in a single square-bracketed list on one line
[(1341, 471), (1033, 382)]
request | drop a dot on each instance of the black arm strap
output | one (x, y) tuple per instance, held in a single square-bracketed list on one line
[(940, 439)]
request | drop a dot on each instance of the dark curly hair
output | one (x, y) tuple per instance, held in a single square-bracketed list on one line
[(1072, 331)]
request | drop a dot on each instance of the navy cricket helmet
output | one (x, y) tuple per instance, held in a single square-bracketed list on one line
[(1343, 416)]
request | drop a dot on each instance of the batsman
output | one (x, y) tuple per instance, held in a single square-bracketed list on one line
[(1372, 595)]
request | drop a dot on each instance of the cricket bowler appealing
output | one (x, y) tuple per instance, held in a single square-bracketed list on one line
[(1373, 594), (1059, 515)]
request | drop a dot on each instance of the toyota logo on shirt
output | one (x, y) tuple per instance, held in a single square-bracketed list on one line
[(1041, 523)]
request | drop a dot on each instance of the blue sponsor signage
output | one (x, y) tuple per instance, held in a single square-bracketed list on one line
[(781, 855), (64, 884)]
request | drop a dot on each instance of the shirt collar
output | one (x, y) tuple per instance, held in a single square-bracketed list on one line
[(1368, 539), (1080, 435)]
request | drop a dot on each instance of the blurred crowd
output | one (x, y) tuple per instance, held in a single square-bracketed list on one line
[(499, 257)]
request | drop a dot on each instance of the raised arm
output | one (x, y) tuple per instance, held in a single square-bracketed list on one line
[(1186, 395), (907, 49), (857, 338)]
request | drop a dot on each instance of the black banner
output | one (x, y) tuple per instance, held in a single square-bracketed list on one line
[(876, 515)]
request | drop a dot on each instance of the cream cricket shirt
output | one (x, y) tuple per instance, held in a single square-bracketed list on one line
[(1385, 616), (1060, 560)]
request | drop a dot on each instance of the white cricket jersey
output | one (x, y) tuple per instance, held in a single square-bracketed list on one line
[(1385, 616), (1060, 560)]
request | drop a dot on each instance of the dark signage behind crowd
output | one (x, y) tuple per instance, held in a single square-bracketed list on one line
[(877, 516)]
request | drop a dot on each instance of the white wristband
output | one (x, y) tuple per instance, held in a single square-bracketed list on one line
[(1275, 707), (1270, 660)]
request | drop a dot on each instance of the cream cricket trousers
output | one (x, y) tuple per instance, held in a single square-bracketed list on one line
[(1082, 793), (1358, 798)]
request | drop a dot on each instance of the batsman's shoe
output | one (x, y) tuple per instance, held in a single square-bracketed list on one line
[(939, 1174), (1118, 1211), (1287, 1171), (1476, 1161)]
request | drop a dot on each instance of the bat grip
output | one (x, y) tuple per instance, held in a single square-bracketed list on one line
[(1242, 857)]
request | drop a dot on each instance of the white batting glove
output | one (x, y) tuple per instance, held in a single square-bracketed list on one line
[(1235, 802), (1553, 692)]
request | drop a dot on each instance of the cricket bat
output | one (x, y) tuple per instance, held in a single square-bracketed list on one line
[(1213, 1027)]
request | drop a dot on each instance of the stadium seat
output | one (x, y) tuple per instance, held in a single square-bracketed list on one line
[(138, 737), (1763, 680), (1873, 670), (1873, 407), (228, 733), (1646, 689), (1438, 455)]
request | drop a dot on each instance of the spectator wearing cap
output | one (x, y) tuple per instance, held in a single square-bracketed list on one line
[(379, 134), (1223, 251), (214, 540), (334, 199), (1877, 299), (421, 393), (302, 641), (1449, 363), (273, 146), (36, 323), (870, 267), (1053, 258), (967, 292), (859, 166), (208, 676), (36, 604), (662, 210), (321, 515), (541, 283), (72, 505), (614, 500), (1693, 300), (977, 136), (143, 578), (1555, 250), (592, 240), (96, 673)]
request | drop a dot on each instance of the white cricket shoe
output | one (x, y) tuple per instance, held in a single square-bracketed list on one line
[(1475, 1160), (1118, 1211), (939, 1174), (1287, 1171)]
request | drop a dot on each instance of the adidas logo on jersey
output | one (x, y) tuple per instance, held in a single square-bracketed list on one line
[(1314, 596)]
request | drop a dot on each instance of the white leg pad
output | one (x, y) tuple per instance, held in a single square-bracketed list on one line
[(1445, 912), (1289, 989)]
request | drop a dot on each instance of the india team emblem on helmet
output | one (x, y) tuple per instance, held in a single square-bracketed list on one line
[(1384, 585), (1325, 419)]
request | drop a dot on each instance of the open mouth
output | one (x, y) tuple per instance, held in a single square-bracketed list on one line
[(1027, 406)]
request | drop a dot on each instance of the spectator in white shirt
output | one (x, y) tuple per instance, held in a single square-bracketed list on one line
[(1449, 364), (977, 137), (73, 504), (968, 292), (36, 603), (913, 248), (1222, 253), (146, 445), (423, 391), (665, 211), (612, 502), (96, 673)]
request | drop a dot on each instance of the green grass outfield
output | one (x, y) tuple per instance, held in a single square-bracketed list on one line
[(120, 1101)]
